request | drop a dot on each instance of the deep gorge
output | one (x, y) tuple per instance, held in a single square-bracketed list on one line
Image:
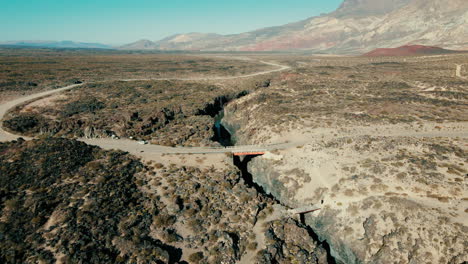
[(225, 137)]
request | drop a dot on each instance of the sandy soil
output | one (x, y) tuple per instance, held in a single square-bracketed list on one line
[(47, 101)]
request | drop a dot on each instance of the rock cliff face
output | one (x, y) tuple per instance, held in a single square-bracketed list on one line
[(371, 215), (288, 241), (356, 8), (357, 26)]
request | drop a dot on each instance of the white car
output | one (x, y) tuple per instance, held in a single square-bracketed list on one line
[(142, 142)]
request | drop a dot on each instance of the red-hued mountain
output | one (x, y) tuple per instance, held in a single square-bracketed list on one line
[(357, 26), (409, 50)]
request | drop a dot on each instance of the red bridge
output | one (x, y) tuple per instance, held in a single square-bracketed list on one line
[(247, 150)]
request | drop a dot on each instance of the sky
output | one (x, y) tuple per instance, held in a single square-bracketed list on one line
[(120, 22)]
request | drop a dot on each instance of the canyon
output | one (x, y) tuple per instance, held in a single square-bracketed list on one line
[(377, 144), (341, 138)]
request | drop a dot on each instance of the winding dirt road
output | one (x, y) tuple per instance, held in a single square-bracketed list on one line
[(6, 106), (131, 146), (215, 78)]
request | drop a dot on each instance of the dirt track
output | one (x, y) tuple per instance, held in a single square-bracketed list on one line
[(129, 145), (151, 150)]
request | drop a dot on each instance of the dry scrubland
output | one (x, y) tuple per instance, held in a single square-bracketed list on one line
[(381, 141), (171, 113), (64, 201), (24, 71), (164, 112), (464, 71), (383, 144), (342, 92), (108, 207)]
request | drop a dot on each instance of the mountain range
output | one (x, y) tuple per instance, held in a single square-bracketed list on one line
[(357, 26)]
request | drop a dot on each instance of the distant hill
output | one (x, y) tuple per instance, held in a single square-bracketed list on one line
[(357, 26), (143, 44), (172, 42), (409, 50), (56, 44)]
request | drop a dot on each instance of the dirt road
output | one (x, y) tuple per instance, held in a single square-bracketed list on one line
[(149, 150), (5, 136), (214, 78), (128, 145)]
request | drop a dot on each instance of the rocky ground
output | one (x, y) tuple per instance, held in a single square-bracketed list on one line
[(403, 197), (64, 201), (166, 113), (384, 150)]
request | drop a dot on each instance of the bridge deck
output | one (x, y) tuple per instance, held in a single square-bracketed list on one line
[(304, 210), (246, 153)]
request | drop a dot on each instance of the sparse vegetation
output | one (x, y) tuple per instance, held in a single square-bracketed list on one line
[(376, 187), (29, 70)]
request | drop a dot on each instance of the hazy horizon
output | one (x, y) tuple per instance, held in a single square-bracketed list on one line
[(120, 22)]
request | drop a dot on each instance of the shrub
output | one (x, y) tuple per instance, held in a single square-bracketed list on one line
[(196, 257), (252, 246), (163, 220), (87, 105), (22, 123)]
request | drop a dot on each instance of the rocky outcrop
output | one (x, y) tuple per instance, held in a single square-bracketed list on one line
[(289, 242), (266, 175), (236, 124)]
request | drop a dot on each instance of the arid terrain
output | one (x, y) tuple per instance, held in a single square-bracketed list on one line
[(24, 71), (383, 146), (377, 144)]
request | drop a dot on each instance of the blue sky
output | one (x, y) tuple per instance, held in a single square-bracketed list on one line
[(119, 21)]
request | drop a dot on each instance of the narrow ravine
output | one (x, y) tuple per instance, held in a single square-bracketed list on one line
[(221, 134), (216, 111), (242, 162), (242, 165), (324, 243), (224, 137)]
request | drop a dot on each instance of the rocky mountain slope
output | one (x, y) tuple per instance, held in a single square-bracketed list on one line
[(357, 26)]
